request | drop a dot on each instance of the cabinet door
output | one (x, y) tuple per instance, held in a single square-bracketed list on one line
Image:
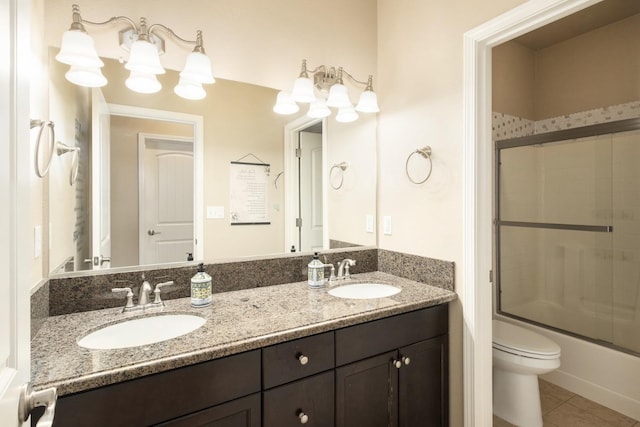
[(423, 384), (308, 401), (366, 393), (243, 412)]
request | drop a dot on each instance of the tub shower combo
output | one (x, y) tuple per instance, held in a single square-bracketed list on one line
[(568, 232)]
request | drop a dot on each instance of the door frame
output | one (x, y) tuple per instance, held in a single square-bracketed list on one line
[(142, 142), (198, 153), (17, 263), (477, 257), (291, 201)]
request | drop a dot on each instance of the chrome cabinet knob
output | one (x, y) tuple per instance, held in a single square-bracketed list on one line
[(406, 360), (153, 232), (397, 363), (304, 418), (302, 359)]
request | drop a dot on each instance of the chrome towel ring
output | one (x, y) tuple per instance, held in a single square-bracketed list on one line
[(42, 124), (425, 152), (341, 167)]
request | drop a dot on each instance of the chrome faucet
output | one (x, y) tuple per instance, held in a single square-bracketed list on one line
[(145, 290), (343, 268), (143, 296)]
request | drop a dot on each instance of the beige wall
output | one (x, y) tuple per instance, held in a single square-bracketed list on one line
[(513, 80), (420, 91), (597, 69)]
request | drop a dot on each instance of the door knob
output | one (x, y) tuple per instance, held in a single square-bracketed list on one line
[(29, 400), (153, 232)]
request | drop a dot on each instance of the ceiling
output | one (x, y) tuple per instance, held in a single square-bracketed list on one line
[(596, 16)]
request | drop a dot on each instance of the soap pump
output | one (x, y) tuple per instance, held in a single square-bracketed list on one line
[(315, 272), (200, 288)]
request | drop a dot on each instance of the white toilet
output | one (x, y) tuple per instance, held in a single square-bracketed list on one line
[(519, 356)]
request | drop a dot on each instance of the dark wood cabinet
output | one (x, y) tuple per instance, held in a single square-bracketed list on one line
[(307, 401), (366, 393), (243, 412), (423, 384), (404, 387), (164, 396), (391, 372)]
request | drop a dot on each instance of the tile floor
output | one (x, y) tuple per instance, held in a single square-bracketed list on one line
[(562, 408)]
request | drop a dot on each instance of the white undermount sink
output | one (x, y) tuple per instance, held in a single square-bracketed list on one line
[(141, 331), (364, 291)]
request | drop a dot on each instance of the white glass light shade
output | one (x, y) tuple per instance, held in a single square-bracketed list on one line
[(77, 48), (338, 96), (347, 114), (368, 102), (198, 68), (189, 89), (144, 58), (318, 109), (303, 90), (86, 76), (284, 104), (143, 83)]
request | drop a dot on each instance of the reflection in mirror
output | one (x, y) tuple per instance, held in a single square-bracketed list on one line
[(238, 121)]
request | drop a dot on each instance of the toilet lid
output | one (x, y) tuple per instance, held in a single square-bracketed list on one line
[(517, 340)]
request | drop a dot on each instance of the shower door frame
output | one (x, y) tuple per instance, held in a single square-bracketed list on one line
[(538, 139)]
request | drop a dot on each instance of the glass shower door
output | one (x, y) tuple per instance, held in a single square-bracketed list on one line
[(554, 233), (626, 240)]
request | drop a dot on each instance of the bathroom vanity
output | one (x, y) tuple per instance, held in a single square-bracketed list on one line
[(276, 356)]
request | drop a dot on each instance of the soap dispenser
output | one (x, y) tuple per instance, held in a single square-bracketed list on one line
[(315, 272), (200, 288)]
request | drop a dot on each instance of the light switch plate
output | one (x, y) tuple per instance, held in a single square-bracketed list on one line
[(386, 225), (369, 223), (215, 212)]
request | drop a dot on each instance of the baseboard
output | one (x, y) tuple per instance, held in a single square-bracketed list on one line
[(595, 392)]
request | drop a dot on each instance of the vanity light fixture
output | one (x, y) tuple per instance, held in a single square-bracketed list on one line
[(145, 47), (326, 89)]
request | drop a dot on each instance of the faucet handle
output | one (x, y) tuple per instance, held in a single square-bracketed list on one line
[(129, 296), (332, 277), (156, 292)]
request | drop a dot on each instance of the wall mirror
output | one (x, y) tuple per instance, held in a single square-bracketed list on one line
[(96, 223)]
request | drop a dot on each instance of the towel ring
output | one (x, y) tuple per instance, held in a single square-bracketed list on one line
[(52, 145), (338, 166), (424, 152), (62, 148)]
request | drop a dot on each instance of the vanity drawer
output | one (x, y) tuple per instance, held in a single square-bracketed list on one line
[(289, 361), (379, 336), (159, 397), (311, 398)]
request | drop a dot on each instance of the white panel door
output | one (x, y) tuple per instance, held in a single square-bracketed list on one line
[(311, 191), (100, 181), (166, 208), (16, 235)]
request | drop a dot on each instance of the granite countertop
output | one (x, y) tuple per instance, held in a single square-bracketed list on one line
[(236, 321)]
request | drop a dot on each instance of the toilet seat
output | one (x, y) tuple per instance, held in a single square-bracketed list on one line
[(523, 342)]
